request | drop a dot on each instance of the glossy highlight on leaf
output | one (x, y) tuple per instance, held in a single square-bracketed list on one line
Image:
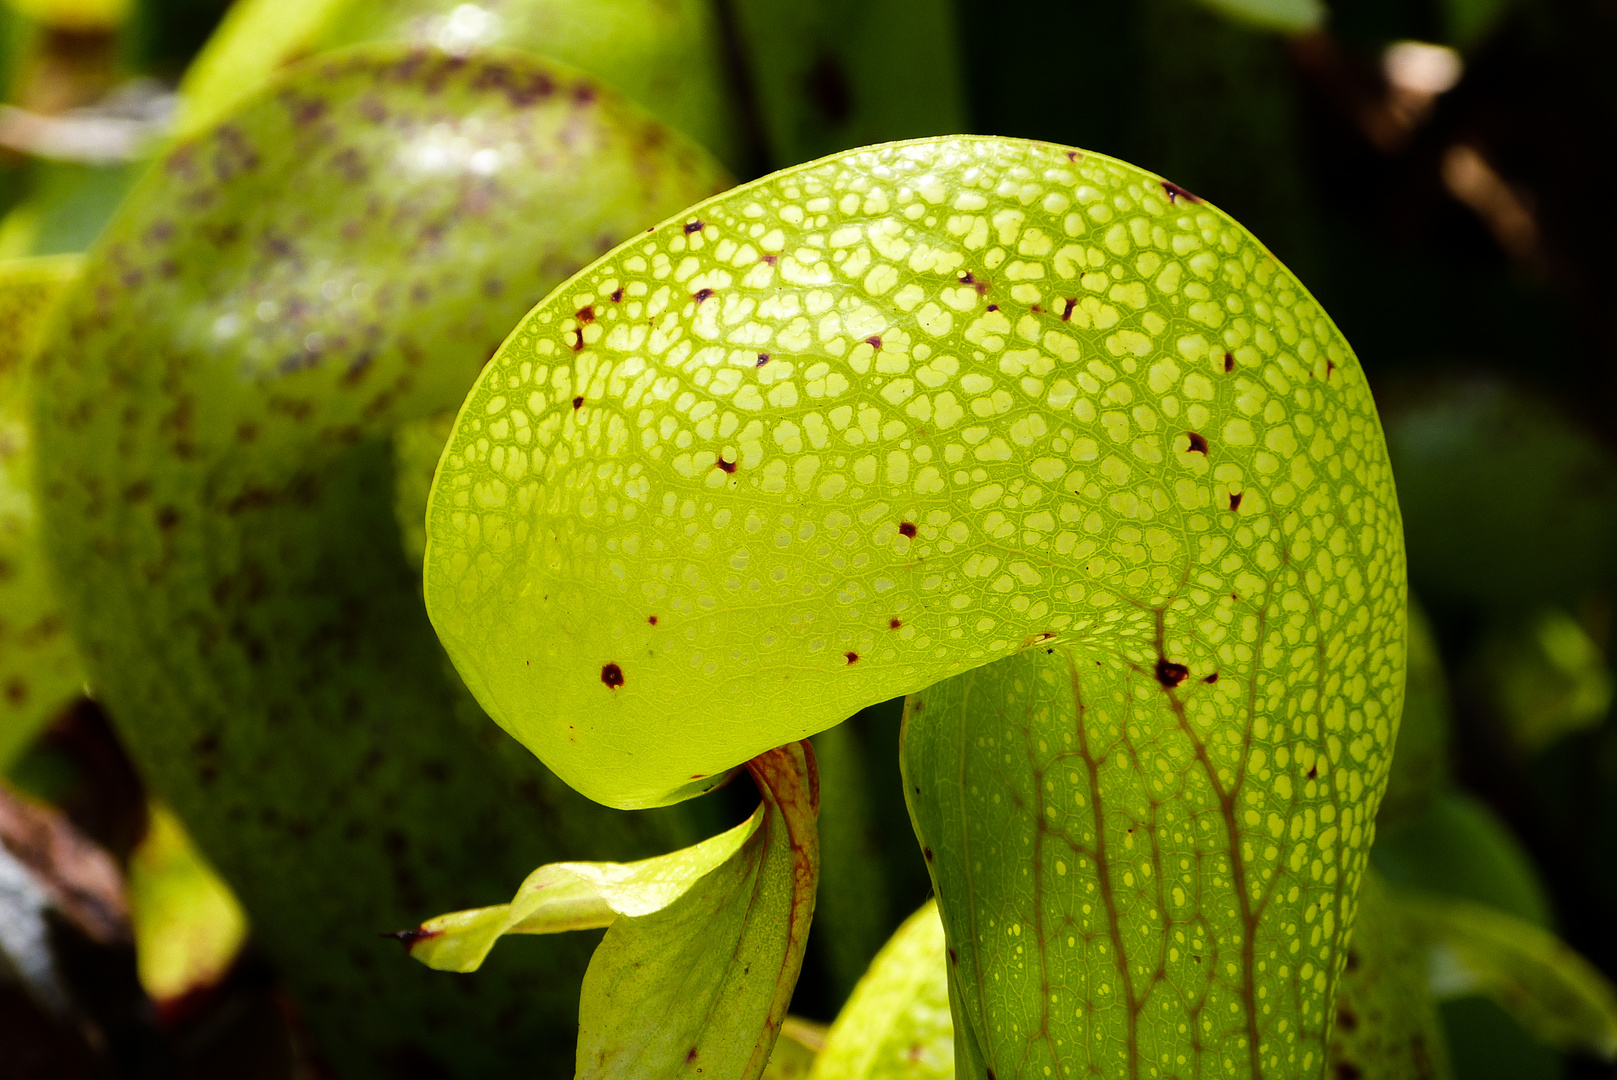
[(665, 55), (215, 411), (863, 425), (40, 668)]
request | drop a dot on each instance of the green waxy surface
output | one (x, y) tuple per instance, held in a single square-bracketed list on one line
[(1386, 1025), (672, 527), (666, 55), (40, 669), (896, 1025), (215, 411)]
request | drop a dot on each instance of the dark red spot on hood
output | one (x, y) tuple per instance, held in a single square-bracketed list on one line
[(1175, 193), (1198, 445), (612, 675), (1170, 674), (411, 938), (694, 227), (907, 528)]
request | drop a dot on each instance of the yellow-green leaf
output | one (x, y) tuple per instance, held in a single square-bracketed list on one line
[(863, 425), (574, 896), (188, 925), (214, 411), (40, 669)]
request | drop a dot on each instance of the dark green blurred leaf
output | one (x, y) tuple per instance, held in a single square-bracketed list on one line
[(1458, 847), (1486, 1043), (1291, 16), (829, 75), (852, 918), (1507, 502), (1467, 22), (666, 55), (67, 206), (1546, 677), (1551, 990)]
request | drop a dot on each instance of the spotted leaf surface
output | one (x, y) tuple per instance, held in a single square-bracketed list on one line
[(40, 669), (666, 55), (1141, 873), (863, 425), (896, 1024), (215, 411)]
